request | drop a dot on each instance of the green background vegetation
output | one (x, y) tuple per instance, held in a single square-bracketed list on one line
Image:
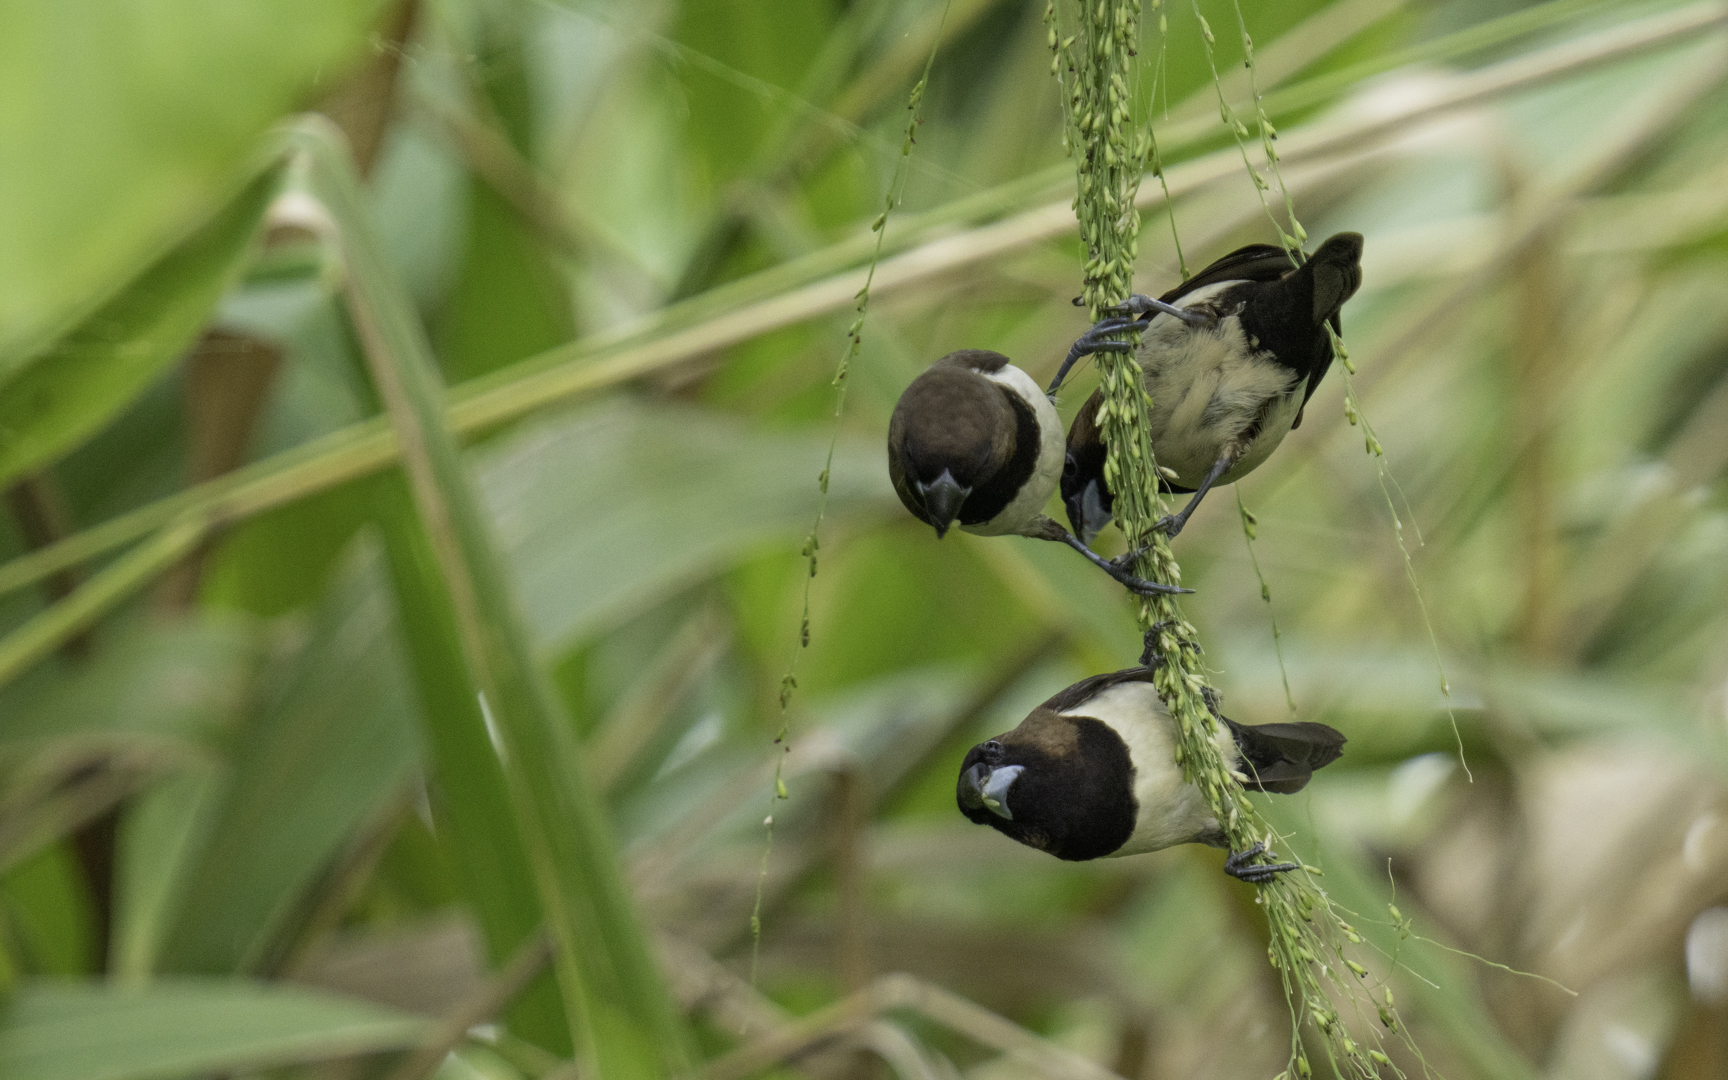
[(255, 820)]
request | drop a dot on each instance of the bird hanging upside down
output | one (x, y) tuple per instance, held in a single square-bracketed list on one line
[(974, 440), (1230, 359), (1092, 774)]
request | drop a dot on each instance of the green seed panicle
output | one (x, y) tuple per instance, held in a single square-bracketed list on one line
[(1095, 44)]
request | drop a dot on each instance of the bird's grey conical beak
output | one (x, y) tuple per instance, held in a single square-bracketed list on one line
[(988, 788), (942, 498)]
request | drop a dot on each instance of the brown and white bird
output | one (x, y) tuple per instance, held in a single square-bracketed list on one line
[(973, 440), (1230, 358), (1092, 774)]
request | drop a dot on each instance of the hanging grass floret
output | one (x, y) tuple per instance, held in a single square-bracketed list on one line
[(1095, 65)]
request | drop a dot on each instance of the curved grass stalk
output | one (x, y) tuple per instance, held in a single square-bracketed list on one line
[(812, 543), (1107, 152), (1250, 527), (56, 625)]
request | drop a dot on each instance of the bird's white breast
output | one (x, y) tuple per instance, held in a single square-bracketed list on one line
[(1208, 386), (1052, 449), (1171, 810)]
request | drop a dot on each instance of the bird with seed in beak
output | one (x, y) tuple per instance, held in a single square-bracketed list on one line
[(1230, 359), (973, 440), (1091, 774)]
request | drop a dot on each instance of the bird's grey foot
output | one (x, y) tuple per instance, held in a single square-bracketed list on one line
[(1142, 306), (1237, 866), (1095, 340), (1136, 584), (1127, 558), (1171, 524), (1151, 655)]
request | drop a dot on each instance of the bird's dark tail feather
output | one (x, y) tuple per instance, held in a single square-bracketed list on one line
[(1282, 758), (1335, 272)]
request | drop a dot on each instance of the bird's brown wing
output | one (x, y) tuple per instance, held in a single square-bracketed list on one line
[(1086, 689)]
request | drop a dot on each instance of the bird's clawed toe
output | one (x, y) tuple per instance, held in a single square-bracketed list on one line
[(1119, 570), (1134, 584), (1141, 306), (1096, 340), (1148, 588), (1239, 867), (1128, 558), (1152, 655)]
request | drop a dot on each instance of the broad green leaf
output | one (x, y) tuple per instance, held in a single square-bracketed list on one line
[(185, 1028), (509, 300), (658, 496), (46, 905), (185, 680), (95, 370), (76, 735), (742, 66), (124, 124), (283, 560), (619, 1006), (327, 749), (161, 831)]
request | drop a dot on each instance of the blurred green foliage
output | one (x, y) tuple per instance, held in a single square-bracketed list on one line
[(253, 820)]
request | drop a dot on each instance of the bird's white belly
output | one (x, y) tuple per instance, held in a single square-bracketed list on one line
[(1207, 390), (1170, 810)]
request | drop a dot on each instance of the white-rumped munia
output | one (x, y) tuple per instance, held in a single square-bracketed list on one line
[(1230, 358), (1092, 774), (974, 440)]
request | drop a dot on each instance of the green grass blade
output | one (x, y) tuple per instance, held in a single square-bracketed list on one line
[(54, 626), (469, 795), (184, 1027), (625, 1022)]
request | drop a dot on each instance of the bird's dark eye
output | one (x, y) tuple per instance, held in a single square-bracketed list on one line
[(1070, 467), (993, 747)]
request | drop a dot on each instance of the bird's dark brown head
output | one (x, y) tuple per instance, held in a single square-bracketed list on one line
[(1061, 784), (955, 438), (1086, 497)]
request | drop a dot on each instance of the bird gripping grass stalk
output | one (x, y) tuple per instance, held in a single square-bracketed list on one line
[(1095, 66)]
